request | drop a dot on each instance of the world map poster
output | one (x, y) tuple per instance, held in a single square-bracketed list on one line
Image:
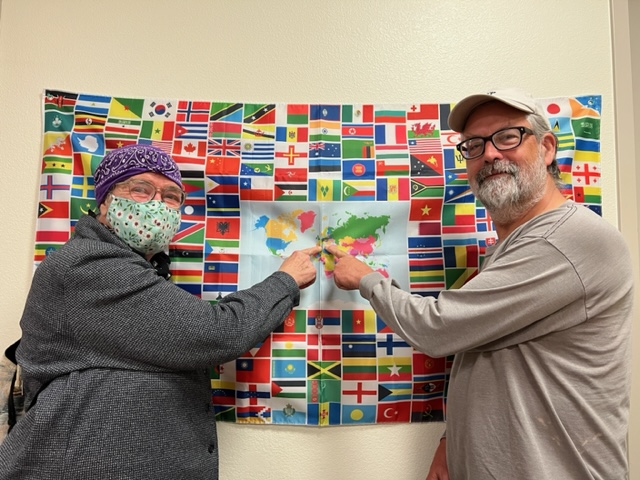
[(384, 182)]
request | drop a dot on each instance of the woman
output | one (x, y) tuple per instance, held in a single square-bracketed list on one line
[(114, 358)]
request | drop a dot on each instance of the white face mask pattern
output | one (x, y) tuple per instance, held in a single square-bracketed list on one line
[(146, 227)]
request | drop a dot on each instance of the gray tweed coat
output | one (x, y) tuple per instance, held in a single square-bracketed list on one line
[(124, 354)]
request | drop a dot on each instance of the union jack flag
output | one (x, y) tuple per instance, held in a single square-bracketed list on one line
[(223, 147)]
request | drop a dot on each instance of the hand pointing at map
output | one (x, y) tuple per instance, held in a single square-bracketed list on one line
[(347, 270), (299, 266)]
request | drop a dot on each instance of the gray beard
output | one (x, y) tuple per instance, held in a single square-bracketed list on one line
[(510, 196)]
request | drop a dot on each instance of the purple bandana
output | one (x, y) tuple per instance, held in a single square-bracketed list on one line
[(122, 163)]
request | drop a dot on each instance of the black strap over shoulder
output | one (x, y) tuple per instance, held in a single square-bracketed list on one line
[(10, 353)]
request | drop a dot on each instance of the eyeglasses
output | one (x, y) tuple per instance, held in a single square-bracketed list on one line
[(142, 191), (504, 139)]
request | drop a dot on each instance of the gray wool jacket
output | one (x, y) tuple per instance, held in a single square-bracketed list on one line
[(123, 356)]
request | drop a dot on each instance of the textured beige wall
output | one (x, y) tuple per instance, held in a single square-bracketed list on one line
[(289, 51)]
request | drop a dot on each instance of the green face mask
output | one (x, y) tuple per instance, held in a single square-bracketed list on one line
[(146, 227)]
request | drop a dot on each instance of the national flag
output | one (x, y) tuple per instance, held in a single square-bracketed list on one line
[(426, 269), (253, 370), (288, 345), (88, 121), (223, 204), (586, 173), (430, 146), (221, 184), (220, 273), (197, 111), (261, 132), (358, 321), (256, 188), (392, 167), (458, 194), (77, 208), (324, 190), (180, 253), (425, 209), (286, 368), (230, 112), (43, 249), (394, 412), (449, 138), (431, 410), (159, 108), (453, 160), (121, 131), (126, 107), (423, 165), (259, 114), (182, 276), (297, 114), (94, 143), (54, 187), (357, 149), (93, 104), (457, 177), (586, 127), (63, 102), (587, 194), (461, 256), (357, 132), (358, 414), (445, 110), (390, 114), (359, 190), (394, 368), (224, 228), (53, 209), (324, 347), (395, 153), (421, 187), (57, 144), (56, 164), (189, 232), (157, 130), (286, 413), (191, 131), (324, 131), (256, 169), (222, 166), (364, 392), (390, 135), (220, 129), (392, 189), (223, 392), (295, 322), (291, 155), (55, 121), (185, 151), (357, 113), (324, 319), (319, 370), (394, 391), (330, 113), (358, 169), (325, 413), (289, 388), (456, 277), (292, 134), (257, 150), (458, 218), (483, 220), (82, 187), (423, 131), (253, 414), (223, 147), (423, 111)]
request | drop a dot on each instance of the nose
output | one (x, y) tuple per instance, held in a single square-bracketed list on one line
[(491, 153), (157, 195)]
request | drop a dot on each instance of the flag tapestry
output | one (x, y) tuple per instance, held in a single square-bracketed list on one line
[(384, 182)]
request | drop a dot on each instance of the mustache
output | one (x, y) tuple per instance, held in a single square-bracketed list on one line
[(495, 168)]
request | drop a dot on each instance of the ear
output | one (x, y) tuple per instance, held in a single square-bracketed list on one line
[(549, 144)]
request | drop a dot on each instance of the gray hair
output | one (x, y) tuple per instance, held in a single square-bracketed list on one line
[(540, 126)]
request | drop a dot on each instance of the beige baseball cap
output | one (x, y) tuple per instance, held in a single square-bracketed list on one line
[(513, 97)]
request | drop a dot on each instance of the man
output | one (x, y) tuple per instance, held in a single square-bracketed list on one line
[(540, 382), (114, 357)]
